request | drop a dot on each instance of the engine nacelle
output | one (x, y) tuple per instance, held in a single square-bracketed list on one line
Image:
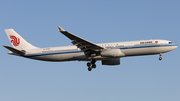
[(112, 53), (111, 62)]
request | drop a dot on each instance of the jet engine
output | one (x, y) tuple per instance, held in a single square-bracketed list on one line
[(112, 53), (111, 62)]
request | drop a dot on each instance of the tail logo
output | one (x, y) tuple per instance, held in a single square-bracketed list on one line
[(15, 40)]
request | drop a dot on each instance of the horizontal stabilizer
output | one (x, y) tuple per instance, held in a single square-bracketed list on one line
[(15, 50)]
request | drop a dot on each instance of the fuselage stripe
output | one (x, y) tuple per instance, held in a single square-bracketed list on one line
[(122, 48)]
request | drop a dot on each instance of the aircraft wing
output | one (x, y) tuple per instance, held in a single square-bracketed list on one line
[(86, 46)]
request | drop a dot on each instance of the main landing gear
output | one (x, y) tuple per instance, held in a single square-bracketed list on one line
[(160, 58), (91, 64)]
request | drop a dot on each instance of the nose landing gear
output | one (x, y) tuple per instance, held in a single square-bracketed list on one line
[(91, 64), (160, 58)]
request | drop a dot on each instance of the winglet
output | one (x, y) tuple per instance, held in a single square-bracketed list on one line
[(60, 29)]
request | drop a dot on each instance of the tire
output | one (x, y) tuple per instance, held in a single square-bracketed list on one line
[(88, 64), (89, 69), (93, 66)]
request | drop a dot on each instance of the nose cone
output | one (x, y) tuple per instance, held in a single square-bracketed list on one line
[(170, 48), (174, 47)]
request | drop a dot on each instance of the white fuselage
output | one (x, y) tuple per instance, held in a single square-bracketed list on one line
[(131, 48)]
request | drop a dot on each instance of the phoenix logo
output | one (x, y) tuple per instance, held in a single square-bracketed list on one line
[(15, 40), (59, 28)]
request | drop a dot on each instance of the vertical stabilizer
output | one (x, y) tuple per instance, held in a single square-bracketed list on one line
[(17, 41)]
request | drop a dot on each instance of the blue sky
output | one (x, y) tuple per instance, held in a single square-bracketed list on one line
[(142, 78)]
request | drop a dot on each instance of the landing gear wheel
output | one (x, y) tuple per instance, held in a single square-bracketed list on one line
[(160, 58), (88, 64), (89, 68), (91, 64), (94, 66)]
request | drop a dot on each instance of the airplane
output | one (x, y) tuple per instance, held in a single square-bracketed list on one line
[(83, 50)]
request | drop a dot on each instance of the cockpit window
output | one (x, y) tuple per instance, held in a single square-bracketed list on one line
[(170, 43)]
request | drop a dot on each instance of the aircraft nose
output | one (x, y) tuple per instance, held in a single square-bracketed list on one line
[(174, 47)]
